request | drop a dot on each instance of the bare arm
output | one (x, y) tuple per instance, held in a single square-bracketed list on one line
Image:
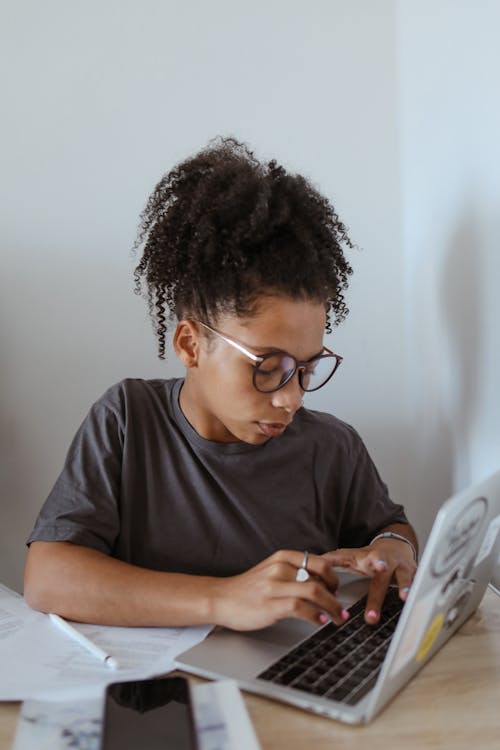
[(82, 584), (86, 585)]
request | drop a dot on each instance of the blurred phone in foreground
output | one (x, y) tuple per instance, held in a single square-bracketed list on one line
[(150, 714)]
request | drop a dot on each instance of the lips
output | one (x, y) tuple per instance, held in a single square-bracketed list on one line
[(272, 429)]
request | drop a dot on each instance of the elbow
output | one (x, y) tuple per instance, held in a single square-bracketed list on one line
[(34, 598), (38, 581)]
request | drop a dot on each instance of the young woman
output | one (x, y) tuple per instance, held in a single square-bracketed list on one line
[(219, 498)]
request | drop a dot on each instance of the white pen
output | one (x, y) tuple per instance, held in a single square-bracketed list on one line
[(83, 641)]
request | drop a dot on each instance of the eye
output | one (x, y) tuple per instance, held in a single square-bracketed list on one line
[(270, 366), (265, 372), (310, 368)]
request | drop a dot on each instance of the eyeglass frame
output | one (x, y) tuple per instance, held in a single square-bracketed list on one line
[(259, 359)]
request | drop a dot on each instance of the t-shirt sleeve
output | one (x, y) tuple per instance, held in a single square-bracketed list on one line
[(368, 507), (83, 506)]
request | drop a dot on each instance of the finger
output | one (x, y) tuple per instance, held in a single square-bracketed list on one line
[(283, 566), (296, 607), (318, 566), (378, 566), (314, 592), (341, 558), (404, 579), (376, 595), (281, 571), (356, 560)]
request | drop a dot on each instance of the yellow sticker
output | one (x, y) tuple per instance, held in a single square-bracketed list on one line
[(429, 638)]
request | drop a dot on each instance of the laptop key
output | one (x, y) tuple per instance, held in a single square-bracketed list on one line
[(290, 675), (359, 692)]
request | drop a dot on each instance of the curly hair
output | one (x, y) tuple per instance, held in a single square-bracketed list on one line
[(221, 229)]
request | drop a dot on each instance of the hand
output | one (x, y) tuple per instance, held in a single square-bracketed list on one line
[(269, 592), (380, 561)]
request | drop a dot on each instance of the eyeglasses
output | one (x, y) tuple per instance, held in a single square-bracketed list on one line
[(274, 370)]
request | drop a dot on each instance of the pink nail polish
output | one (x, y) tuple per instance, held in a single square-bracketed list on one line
[(323, 618), (345, 614), (372, 614)]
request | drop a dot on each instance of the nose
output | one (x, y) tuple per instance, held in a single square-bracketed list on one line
[(288, 398)]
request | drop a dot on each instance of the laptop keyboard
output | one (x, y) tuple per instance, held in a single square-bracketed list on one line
[(340, 662)]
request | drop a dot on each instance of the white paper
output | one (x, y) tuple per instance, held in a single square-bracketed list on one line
[(59, 725), (221, 718), (40, 661), (220, 715)]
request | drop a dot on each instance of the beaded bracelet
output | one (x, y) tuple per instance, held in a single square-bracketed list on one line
[(393, 535)]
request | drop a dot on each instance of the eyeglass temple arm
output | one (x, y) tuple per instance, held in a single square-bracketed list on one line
[(240, 348), (337, 356), (254, 357)]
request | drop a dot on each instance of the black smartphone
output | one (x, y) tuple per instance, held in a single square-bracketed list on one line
[(148, 714)]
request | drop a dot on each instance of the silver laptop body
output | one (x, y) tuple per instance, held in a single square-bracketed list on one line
[(453, 574)]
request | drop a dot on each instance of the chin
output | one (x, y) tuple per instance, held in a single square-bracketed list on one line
[(256, 439), (248, 432), (250, 436)]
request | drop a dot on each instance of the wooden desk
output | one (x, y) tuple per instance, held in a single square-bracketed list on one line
[(454, 702)]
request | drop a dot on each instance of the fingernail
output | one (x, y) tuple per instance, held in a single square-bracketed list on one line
[(323, 618), (382, 562), (405, 589), (371, 614), (345, 615)]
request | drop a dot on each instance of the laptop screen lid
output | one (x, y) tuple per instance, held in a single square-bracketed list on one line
[(453, 574)]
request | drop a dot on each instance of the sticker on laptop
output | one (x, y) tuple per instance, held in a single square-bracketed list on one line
[(413, 633), (454, 612), (430, 637), (459, 536), (489, 540)]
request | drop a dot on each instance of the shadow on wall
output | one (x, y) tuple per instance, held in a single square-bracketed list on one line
[(461, 295), (449, 336)]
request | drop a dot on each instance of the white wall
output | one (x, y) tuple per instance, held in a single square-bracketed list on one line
[(100, 98), (449, 65)]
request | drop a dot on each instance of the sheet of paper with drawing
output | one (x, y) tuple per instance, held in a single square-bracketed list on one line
[(39, 660)]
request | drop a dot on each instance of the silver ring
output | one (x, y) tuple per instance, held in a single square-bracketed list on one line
[(302, 572)]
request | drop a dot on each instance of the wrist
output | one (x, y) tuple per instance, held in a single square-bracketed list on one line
[(187, 599), (215, 600), (398, 537)]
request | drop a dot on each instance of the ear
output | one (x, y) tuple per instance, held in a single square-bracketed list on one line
[(186, 342)]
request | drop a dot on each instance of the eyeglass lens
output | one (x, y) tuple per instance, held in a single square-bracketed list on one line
[(277, 369)]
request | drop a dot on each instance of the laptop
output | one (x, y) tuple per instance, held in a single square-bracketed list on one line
[(350, 672)]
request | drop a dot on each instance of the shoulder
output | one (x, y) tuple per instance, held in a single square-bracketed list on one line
[(136, 388), (136, 396)]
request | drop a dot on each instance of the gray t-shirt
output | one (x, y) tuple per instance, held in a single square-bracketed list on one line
[(140, 484)]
